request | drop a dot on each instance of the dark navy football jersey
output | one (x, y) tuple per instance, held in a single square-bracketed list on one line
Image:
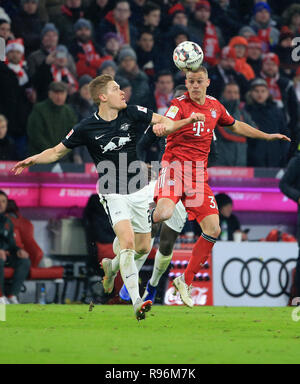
[(111, 142)]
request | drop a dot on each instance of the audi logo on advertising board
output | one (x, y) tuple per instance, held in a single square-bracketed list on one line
[(253, 273)]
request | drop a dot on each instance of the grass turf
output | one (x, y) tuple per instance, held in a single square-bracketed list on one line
[(110, 334)]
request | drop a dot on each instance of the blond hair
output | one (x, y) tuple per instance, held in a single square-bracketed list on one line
[(98, 86), (3, 119)]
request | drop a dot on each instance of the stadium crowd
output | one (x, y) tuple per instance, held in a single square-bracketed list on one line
[(55, 47)]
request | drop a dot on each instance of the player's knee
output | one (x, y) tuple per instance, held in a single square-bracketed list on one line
[(165, 247), (164, 214), (143, 248), (127, 244), (213, 231)]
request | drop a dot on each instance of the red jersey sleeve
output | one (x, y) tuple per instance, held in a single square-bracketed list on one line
[(225, 118), (175, 111)]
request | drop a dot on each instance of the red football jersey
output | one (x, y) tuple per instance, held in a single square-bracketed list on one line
[(192, 142)]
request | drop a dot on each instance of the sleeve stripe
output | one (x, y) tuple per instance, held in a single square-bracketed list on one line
[(230, 125)]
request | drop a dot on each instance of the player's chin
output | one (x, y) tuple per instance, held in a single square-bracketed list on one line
[(123, 105)]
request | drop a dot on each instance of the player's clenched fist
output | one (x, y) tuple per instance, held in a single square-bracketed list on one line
[(197, 117)]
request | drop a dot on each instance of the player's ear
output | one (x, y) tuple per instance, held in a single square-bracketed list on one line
[(102, 97), (208, 82)]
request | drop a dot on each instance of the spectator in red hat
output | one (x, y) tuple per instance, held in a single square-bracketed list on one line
[(25, 94), (284, 51), (208, 35), (240, 45), (225, 73), (254, 54), (283, 93), (264, 26)]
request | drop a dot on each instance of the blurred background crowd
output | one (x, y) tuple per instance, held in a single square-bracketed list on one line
[(55, 47)]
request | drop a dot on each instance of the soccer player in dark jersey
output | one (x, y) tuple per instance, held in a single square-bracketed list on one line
[(191, 144), (110, 137)]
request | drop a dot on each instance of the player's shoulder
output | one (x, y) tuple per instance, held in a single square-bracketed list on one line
[(135, 109), (211, 98), (181, 98), (213, 102), (87, 122)]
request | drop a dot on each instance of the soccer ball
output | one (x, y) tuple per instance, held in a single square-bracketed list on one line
[(188, 56)]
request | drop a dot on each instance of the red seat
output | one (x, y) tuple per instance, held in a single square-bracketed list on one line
[(51, 273), (8, 273)]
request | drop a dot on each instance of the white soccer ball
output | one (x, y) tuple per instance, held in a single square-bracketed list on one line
[(188, 56)]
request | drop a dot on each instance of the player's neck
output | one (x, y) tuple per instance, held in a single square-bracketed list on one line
[(200, 100), (106, 113)]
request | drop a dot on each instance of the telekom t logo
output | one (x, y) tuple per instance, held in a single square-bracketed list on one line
[(198, 128)]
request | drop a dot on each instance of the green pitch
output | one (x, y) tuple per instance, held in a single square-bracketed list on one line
[(110, 334)]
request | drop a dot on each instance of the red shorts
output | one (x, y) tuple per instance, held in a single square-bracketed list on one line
[(191, 187)]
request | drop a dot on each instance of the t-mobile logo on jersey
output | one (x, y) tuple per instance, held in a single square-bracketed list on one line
[(199, 128)]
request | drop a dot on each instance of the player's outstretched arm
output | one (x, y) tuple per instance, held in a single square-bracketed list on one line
[(163, 126), (48, 156), (246, 130)]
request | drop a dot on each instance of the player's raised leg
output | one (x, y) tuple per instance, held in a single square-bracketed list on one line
[(210, 226), (201, 250)]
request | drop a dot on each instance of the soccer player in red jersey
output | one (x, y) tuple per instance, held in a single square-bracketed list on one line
[(184, 168)]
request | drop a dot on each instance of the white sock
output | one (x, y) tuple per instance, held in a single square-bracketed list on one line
[(141, 259), (161, 264), (115, 264), (129, 273)]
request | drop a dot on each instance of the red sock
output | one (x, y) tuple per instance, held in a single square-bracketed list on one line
[(200, 254)]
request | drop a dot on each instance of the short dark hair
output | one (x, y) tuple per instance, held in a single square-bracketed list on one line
[(3, 194), (150, 7), (164, 72), (223, 199), (145, 30)]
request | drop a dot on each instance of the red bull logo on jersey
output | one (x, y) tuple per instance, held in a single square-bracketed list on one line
[(115, 144)]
